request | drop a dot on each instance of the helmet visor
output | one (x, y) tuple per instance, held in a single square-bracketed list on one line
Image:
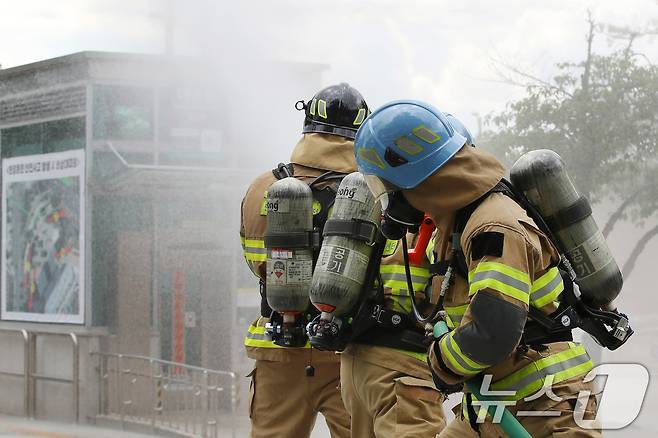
[(380, 189)]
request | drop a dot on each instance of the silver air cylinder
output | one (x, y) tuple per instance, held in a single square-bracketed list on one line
[(542, 177), (289, 256), (343, 261)]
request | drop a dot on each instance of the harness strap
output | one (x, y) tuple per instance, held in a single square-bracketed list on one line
[(472, 416), (265, 309), (565, 217), (298, 239), (355, 228), (401, 339)]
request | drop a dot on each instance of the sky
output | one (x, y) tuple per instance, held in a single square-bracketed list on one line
[(447, 52)]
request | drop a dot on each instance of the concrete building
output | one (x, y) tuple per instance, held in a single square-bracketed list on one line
[(168, 152)]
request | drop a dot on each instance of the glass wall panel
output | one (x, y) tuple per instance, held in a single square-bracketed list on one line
[(123, 113), (43, 138)]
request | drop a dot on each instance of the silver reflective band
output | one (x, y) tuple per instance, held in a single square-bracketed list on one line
[(503, 278)]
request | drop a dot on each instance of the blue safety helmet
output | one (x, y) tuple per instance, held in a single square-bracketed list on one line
[(460, 127), (404, 142)]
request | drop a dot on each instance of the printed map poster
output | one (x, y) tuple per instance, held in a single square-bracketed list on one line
[(42, 238)]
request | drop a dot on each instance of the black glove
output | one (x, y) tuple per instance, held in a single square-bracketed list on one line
[(443, 387)]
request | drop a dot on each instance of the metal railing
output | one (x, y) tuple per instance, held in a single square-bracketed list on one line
[(167, 395), (31, 374)]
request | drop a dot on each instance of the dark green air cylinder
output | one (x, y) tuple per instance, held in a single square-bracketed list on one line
[(541, 175)]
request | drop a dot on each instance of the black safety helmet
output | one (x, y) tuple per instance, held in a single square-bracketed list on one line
[(337, 109)]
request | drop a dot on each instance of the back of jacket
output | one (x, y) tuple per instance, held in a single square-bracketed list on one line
[(314, 155), (511, 266)]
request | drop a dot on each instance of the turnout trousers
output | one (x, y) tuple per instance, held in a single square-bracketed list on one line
[(284, 402), (389, 403)]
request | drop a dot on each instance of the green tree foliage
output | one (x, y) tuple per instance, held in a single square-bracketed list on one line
[(601, 116)]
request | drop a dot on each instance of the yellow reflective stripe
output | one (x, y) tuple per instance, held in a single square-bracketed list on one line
[(558, 377), (256, 337), (455, 313), (248, 342), (322, 108), (399, 269), (391, 246), (256, 329), (499, 277), (360, 116), (420, 356), (254, 250), (562, 366), (254, 243), (499, 267), (399, 285), (547, 288), (263, 205), (395, 278), (429, 251), (459, 361), (500, 287), (255, 257)]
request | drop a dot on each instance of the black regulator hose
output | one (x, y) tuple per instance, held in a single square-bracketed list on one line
[(422, 319)]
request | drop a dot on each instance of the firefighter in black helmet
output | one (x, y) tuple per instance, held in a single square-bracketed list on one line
[(337, 109), (290, 385)]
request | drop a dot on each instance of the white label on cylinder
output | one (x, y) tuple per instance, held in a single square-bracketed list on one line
[(276, 272), (300, 271), (590, 256), (289, 272), (277, 205), (343, 261), (354, 193)]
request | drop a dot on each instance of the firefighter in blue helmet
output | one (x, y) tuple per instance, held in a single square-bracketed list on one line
[(458, 126), (498, 265)]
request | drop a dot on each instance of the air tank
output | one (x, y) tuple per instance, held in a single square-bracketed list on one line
[(343, 261), (289, 256), (541, 175)]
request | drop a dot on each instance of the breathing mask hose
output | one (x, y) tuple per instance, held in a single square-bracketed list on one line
[(434, 314)]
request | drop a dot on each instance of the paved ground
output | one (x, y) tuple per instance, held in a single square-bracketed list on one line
[(24, 428), (16, 427)]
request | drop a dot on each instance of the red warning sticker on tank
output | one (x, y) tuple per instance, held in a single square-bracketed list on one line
[(278, 253)]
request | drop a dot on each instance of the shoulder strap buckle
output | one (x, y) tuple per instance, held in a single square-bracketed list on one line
[(283, 171)]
